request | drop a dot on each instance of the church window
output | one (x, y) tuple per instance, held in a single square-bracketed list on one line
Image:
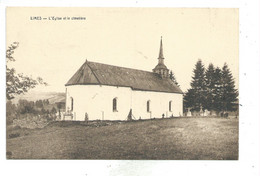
[(114, 104), (71, 104), (170, 106), (148, 105)]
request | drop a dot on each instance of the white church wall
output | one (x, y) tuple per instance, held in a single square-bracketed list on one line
[(159, 104), (97, 101)]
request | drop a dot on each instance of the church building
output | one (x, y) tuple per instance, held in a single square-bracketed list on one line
[(106, 92)]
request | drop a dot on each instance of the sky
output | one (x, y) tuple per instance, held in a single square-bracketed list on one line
[(127, 37)]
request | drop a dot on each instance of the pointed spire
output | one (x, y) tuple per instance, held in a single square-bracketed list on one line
[(160, 68), (161, 49)]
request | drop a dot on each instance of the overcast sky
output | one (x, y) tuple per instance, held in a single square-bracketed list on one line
[(128, 37)]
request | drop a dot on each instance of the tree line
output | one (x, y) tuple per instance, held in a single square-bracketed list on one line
[(25, 109), (212, 88)]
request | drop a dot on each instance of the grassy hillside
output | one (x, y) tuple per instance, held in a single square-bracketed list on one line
[(173, 139)]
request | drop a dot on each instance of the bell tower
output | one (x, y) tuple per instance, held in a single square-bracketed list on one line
[(160, 68)]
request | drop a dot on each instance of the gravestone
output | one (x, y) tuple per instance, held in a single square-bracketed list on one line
[(206, 112), (201, 112), (189, 113)]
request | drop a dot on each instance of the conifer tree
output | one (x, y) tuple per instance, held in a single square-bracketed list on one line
[(228, 94), (173, 78), (198, 85), (210, 85), (212, 90), (189, 99), (217, 90), (196, 95)]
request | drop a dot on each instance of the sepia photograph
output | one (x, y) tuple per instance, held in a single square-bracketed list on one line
[(121, 83)]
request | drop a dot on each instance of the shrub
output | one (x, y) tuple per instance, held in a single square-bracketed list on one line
[(13, 135)]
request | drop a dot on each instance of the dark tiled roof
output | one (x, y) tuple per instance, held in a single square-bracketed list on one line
[(102, 74)]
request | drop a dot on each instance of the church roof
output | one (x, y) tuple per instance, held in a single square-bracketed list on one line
[(92, 73)]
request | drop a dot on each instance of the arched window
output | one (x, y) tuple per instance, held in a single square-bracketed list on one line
[(170, 106), (114, 104), (71, 99), (148, 105)]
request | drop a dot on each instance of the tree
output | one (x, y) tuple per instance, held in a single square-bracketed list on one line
[(25, 107), (53, 110), (210, 87), (17, 83), (45, 102), (189, 99), (39, 103), (228, 94), (43, 111), (173, 78), (212, 90), (196, 95), (217, 90), (59, 105)]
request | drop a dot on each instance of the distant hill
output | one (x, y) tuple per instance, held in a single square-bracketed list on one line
[(53, 97)]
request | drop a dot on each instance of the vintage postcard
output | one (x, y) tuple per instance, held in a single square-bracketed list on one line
[(122, 83)]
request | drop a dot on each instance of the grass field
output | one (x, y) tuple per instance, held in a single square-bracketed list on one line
[(164, 139)]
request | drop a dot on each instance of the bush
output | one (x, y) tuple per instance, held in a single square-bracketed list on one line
[(13, 135)]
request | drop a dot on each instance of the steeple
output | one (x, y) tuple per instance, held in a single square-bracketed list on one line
[(161, 50), (160, 68)]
